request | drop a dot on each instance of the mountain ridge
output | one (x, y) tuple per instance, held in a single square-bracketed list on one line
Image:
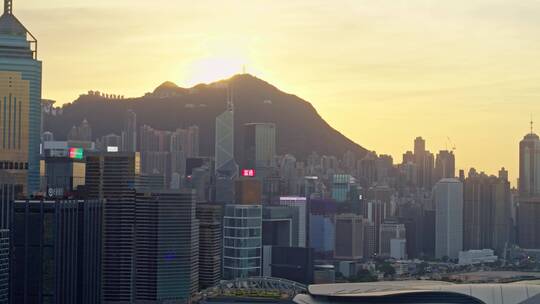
[(301, 129)]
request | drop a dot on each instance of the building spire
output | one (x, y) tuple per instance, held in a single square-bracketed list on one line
[(532, 124), (8, 7)]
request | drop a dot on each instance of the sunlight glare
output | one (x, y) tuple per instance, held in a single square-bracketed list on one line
[(212, 69)]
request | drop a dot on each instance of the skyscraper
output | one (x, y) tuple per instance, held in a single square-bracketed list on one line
[(210, 243), (322, 227), (9, 190), (20, 105), (528, 211), (341, 187), (242, 241), (390, 230), (445, 165), (166, 247), (226, 167), (4, 266), (529, 166), (350, 236), (301, 204), (280, 226), (425, 164), (448, 195), (113, 177), (259, 146), (419, 146), (129, 134), (56, 252), (487, 212)]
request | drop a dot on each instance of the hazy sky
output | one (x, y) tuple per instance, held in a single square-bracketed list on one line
[(380, 71)]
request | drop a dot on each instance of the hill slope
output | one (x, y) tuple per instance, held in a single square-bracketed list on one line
[(301, 130)]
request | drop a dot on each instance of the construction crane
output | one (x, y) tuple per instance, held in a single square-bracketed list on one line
[(452, 146)]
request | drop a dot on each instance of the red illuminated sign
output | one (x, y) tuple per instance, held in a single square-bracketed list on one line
[(248, 173)]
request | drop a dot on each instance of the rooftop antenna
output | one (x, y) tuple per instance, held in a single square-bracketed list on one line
[(532, 124), (8, 7)]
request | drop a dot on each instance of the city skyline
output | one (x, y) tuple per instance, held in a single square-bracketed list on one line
[(474, 60), (239, 190)]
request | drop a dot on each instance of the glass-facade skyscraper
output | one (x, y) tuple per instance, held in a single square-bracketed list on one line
[(259, 146), (166, 247), (20, 101), (242, 241), (529, 166)]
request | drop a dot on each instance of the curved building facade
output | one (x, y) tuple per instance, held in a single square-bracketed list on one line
[(417, 292), (20, 101)]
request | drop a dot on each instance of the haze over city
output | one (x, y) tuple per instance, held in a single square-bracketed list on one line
[(382, 73), (283, 153)]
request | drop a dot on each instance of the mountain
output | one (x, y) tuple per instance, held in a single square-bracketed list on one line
[(301, 130)]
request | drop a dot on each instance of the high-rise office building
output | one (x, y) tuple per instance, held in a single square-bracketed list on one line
[(184, 145), (63, 175), (56, 252), (448, 195), (210, 243), (4, 266), (322, 227), (528, 225), (193, 146), (487, 212), (201, 182), (291, 263), (350, 236), (289, 174), (376, 212), (258, 157), (280, 226), (398, 249), (113, 177), (242, 241), (166, 247), (411, 214), (528, 211), (390, 230), (129, 133), (424, 161), (89, 251), (81, 133), (419, 146), (20, 94), (110, 143), (445, 165), (226, 166), (529, 166), (301, 204), (367, 169), (341, 187), (85, 131), (9, 190), (259, 146), (248, 191)]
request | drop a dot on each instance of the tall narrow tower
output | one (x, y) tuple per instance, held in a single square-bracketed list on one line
[(529, 165), (226, 166), (20, 101)]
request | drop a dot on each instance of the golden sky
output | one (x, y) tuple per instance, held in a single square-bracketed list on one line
[(380, 71)]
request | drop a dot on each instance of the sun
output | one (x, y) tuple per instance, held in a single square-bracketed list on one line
[(211, 69)]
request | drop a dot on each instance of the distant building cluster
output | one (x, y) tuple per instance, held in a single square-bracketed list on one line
[(105, 95)]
